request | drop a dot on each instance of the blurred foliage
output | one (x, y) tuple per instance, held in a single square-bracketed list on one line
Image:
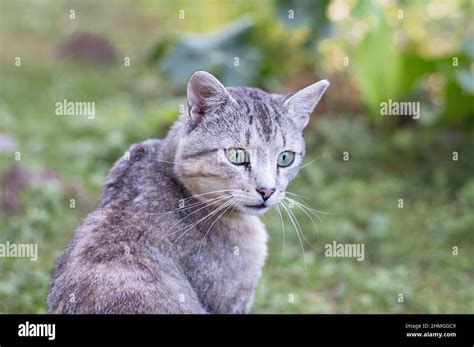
[(409, 250), (220, 52), (306, 14), (410, 51), (379, 72), (384, 53)]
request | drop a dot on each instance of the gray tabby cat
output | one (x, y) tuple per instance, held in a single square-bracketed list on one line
[(177, 228)]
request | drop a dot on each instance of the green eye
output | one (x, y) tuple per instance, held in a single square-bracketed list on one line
[(237, 156), (286, 158)]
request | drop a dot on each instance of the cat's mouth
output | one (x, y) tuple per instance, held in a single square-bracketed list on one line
[(258, 207), (255, 209)]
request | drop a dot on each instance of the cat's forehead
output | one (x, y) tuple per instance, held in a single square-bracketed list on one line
[(262, 116), (249, 97), (256, 120), (259, 108)]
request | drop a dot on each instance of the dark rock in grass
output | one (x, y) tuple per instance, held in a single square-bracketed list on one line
[(87, 48), (13, 182), (16, 179)]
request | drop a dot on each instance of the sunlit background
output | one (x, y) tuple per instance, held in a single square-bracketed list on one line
[(133, 59)]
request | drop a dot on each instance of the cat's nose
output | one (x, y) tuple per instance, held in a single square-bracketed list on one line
[(265, 192)]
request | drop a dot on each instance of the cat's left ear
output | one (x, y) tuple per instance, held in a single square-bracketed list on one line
[(302, 103)]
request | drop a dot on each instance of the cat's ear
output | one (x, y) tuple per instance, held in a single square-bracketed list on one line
[(204, 93), (303, 102)]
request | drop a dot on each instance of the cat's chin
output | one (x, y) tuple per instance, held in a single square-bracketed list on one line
[(254, 210)]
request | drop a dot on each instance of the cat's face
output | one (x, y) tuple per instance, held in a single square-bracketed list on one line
[(242, 146)]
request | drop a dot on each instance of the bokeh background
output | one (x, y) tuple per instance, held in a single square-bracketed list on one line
[(371, 51)]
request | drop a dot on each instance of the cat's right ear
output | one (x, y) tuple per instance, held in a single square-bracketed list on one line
[(303, 102), (204, 93)]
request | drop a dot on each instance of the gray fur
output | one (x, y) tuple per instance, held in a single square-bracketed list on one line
[(140, 252)]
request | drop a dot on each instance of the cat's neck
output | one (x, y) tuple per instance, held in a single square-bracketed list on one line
[(168, 150)]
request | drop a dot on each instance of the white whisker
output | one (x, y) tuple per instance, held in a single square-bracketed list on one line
[(306, 209), (170, 162), (229, 204), (309, 216), (309, 163), (199, 209), (189, 227), (299, 238), (206, 193), (282, 224), (300, 199), (299, 227)]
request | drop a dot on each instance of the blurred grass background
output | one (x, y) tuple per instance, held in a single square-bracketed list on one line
[(369, 50)]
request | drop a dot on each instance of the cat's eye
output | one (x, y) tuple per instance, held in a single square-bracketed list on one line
[(237, 156), (285, 158)]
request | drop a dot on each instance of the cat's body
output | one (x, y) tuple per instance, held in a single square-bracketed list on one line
[(155, 244), (134, 268)]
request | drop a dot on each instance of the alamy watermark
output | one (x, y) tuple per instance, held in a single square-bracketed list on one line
[(75, 108), (400, 108), (19, 250), (345, 250), (28, 329)]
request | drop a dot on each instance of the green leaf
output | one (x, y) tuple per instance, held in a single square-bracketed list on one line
[(217, 52), (306, 13), (378, 65), (466, 81)]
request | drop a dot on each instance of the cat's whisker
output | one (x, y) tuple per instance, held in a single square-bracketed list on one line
[(311, 219), (187, 207), (309, 216), (307, 210), (299, 227), (213, 212), (282, 224), (206, 193), (299, 197), (194, 204), (169, 162), (189, 227), (309, 163), (200, 202), (230, 205), (299, 237), (218, 201)]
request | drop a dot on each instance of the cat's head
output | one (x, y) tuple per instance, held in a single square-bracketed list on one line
[(242, 144)]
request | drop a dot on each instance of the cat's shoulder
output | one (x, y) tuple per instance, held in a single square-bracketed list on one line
[(139, 150), (130, 170)]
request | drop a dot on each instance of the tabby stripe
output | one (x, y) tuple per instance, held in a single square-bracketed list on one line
[(201, 174), (197, 154)]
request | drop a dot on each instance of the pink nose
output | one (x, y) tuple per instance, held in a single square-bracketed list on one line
[(265, 192)]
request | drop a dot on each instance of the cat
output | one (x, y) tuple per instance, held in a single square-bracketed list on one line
[(177, 229)]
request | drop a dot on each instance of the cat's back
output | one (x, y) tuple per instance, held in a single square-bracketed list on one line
[(117, 261)]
